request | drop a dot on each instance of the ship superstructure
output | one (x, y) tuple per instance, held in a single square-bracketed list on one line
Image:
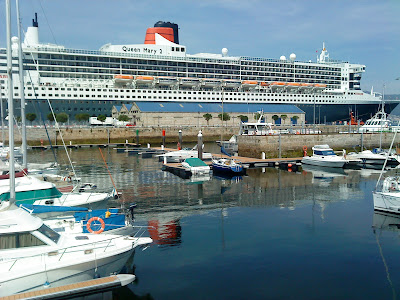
[(83, 81)]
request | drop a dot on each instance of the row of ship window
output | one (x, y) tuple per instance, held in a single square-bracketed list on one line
[(174, 98)]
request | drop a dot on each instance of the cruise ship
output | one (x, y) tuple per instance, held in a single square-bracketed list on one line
[(84, 81)]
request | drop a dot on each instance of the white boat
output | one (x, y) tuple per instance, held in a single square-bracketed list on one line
[(378, 123), (388, 197), (196, 166), (34, 257), (377, 157), (324, 156), (5, 152), (258, 128), (30, 190), (181, 155), (230, 146)]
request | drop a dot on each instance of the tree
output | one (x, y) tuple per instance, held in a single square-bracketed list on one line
[(101, 118), (295, 118), (243, 118), (123, 118), (257, 116), (208, 117), (62, 117), (19, 119), (50, 117), (226, 117), (275, 118), (283, 117), (31, 117), (82, 117)]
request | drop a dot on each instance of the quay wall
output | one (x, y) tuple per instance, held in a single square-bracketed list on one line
[(292, 145), (104, 135)]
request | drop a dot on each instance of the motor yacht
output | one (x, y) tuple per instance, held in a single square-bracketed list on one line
[(196, 166), (324, 156), (33, 256)]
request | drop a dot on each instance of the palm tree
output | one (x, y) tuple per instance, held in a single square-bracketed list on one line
[(275, 118), (283, 117), (208, 117)]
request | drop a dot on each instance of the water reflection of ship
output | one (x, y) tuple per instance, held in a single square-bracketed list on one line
[(165, 232), (324, 175)]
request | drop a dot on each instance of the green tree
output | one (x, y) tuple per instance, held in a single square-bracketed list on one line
[(226, 117), (19, 119), (257, 116), (208, 117), (62, 117), (275, 118), (31, 117), (101, 118), (82, 117), (123, 118), (295, 118), (50, 117), (243, 118)]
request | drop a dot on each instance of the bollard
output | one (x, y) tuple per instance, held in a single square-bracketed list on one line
[(262, 155), (200, 145), (163, 138), (148, 145), (165, 160), (180, 140), (126, 142), (162, 147), (70, 143)]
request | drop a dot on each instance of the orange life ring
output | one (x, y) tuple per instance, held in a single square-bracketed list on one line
[(89, 222), (304, 148)]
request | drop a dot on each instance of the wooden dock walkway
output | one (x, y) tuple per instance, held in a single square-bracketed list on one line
[(291, 163), (79, 289)]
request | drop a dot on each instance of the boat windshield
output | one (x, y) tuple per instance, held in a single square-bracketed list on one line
[(324, 152), (49, 233)]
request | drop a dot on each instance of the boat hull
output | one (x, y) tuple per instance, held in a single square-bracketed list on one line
[(387, 202), (340, 112), (54, 277), (323, 163)]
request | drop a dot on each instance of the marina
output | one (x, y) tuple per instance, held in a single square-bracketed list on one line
[(311, 208), (145, 169)]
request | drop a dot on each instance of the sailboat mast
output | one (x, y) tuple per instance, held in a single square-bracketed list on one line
[(21, 89), (10, 104)]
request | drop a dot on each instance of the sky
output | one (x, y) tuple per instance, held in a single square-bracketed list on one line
[(359, 31)]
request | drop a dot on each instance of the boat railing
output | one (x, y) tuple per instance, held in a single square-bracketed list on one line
[(86, 248)]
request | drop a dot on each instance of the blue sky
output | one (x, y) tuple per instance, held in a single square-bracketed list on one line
[(359, 31)]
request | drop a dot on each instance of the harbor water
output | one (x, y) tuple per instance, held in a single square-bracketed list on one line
[(272, 234)]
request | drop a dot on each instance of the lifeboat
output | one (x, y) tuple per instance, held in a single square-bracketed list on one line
[(144, 79), (123, 78), (292, 86), (207, 82), (277, 85), (306, 86), (231, 83), (166, 81), (249, 83), (189, 81), (264, 84), (319, 87)]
